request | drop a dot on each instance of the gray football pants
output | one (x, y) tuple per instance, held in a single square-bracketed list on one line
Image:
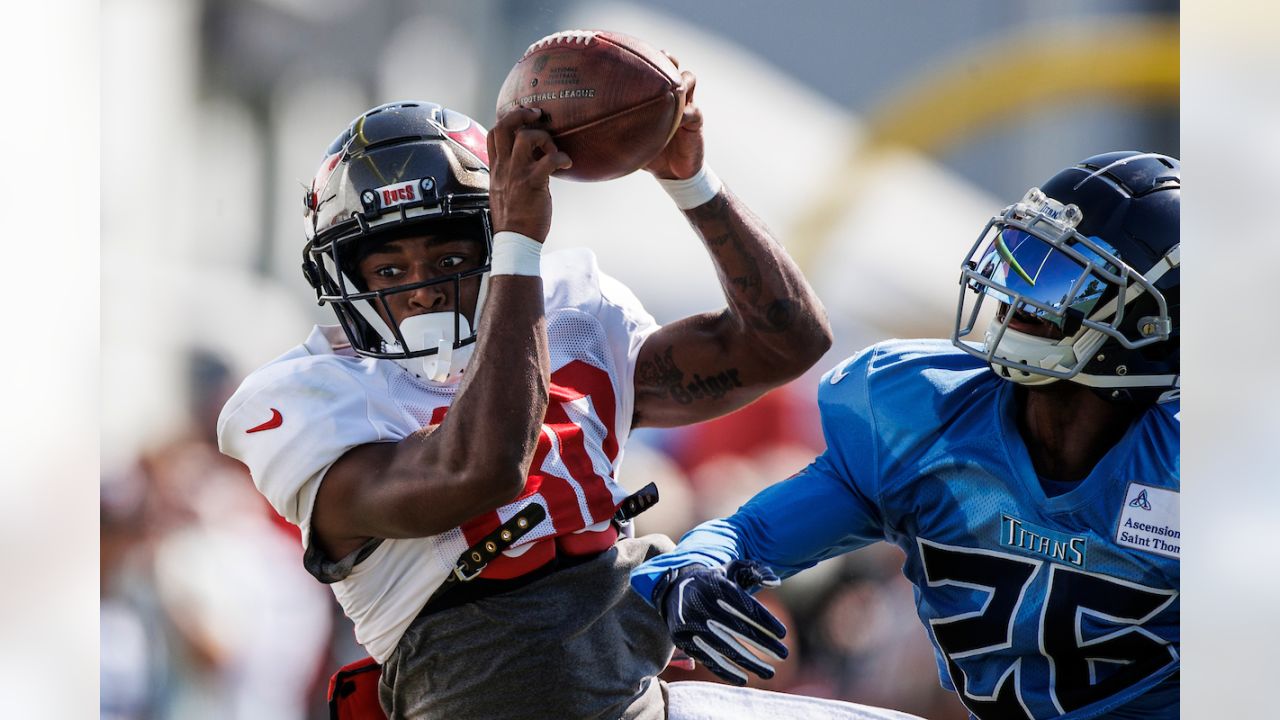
[(577, 643)]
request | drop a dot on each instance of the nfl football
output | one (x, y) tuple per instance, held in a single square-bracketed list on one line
[(610, 101)]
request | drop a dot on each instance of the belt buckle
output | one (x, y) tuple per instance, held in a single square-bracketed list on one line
[(505, 536), (458, 572)]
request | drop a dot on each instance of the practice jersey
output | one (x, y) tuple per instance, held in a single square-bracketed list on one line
[(1038, 607), (293, 418)]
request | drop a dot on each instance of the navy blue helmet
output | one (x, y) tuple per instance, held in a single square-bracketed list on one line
[(1085, 271)]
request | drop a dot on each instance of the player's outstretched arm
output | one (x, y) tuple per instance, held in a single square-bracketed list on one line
[(478, 457), (774, 327), (701, 588)]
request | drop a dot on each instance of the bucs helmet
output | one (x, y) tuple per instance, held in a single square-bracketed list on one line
[(1094, 253), (400, 169)]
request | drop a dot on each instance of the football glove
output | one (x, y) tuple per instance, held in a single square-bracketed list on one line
[(713, 619)]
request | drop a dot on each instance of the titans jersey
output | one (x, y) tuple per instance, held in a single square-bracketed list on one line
[(294, 417), (1038, 607)]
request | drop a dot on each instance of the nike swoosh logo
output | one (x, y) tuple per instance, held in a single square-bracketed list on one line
[(840, 373), (274, 422)]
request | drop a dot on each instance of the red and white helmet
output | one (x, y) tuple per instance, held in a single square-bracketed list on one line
[(400, 169)]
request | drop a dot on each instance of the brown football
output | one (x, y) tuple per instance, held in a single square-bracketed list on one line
[(611, 102)]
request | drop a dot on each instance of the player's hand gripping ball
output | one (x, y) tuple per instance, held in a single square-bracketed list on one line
[(610, 101)]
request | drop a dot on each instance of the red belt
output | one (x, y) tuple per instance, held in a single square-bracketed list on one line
[(505, 567), (484, 586), (483, 570)]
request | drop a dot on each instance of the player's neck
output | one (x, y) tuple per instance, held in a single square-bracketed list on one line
[(1067, 428)]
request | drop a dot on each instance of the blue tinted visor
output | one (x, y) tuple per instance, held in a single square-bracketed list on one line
[(1051, 282)]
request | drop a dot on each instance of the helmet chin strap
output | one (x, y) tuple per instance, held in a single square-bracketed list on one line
[(1018, 347), (434, 330)]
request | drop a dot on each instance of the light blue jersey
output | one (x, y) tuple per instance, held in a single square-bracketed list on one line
[(1038, 607)]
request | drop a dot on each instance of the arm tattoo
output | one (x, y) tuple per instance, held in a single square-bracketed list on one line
[(662, 373), (734, 238)]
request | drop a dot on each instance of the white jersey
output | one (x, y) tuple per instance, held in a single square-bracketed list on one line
[(294, 417)]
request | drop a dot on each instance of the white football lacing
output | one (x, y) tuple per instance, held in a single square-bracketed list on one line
[(564, 37)]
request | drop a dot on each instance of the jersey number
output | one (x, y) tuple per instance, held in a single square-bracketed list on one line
[(1072, 595), (564, 465)]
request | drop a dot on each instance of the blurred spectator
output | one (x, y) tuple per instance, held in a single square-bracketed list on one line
[(255, 625), (207, 611), (133, 659), (677, 508)]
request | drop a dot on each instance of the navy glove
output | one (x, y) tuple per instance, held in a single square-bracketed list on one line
[(713, 619)]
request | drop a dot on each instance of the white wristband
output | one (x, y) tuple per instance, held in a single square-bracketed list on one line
[(694, 191), (515, 254)]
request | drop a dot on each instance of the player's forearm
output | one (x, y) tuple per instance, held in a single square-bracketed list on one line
[(748, 534), (768, 296), (713, 543), (497, 417), (789, 526), (477, 459)]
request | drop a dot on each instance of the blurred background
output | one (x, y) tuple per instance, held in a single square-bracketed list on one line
[(875, 138)]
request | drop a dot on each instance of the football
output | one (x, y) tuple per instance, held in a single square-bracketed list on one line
[(610, 101)]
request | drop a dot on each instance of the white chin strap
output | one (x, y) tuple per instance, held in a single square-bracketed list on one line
[(1020, 347), (1036, 351), (1060, 355), (434, 330)]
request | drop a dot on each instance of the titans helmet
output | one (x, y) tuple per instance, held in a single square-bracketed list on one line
[(399, 170), (1092, 256)]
